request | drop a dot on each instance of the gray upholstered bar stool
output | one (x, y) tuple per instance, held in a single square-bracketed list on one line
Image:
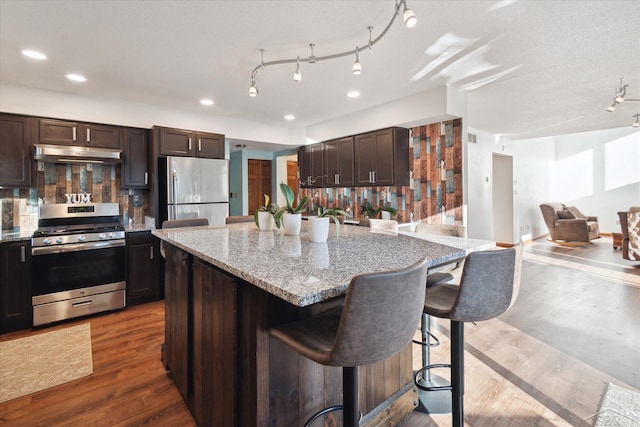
[(176, 223), (238, 218), (488, 287), (436, 401), (392, 301)]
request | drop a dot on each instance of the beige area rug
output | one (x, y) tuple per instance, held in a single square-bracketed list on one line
[(45, 360)]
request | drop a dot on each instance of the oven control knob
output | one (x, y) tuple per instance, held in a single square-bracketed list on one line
[(112, 235), (82, 238), (46, 241), (59, 240), (102, 236)]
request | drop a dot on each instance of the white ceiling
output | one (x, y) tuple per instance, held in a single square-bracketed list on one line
[(530, 68)]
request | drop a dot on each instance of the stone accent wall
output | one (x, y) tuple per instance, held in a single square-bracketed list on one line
[(20, 206)]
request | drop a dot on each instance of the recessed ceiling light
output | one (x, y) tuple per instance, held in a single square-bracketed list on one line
[(353, 94), (206, 102), (34, 54), (289, 117), (76, 77)]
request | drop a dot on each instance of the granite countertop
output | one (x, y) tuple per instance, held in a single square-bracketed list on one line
[(469, 245), (15, 236), (298, 271)]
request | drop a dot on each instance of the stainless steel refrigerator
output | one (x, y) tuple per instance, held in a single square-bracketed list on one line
[(196, 188)]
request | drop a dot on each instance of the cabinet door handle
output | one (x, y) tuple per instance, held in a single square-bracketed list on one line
[(146, 178), (23, 253), (199, 144), (189, 144), (336, 178), (370, 178), (88, 135), (374, 176), (74, 133), (151, 253)]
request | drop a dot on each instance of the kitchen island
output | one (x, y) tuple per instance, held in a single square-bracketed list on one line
[(225, 287)]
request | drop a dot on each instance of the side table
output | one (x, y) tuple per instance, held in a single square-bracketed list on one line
[(617, 240)]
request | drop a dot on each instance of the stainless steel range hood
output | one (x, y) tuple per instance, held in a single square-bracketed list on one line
[(70, 154)]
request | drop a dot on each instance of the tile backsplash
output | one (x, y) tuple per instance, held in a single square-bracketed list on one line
[(54, 180)]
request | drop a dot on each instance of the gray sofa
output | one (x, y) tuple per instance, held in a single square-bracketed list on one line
[(567, 223)]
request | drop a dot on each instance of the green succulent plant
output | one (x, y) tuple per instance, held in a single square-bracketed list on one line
[(272, 208), (289, 208), (332, 213)]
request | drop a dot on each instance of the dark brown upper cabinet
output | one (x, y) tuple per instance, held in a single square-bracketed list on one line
[(16, 154), (382, 158), (338, 162), (61, 132), (135, 170), (311, 165), (179, 142)]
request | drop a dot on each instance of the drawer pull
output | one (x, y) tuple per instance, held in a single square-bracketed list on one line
[(80, 304)]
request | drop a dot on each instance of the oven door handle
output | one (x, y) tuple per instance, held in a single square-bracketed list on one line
[(47, 250)]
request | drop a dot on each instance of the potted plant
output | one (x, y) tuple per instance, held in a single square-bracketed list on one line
[(290, 216), (386, 212), (264, 215), (368, 211), (319, 225)]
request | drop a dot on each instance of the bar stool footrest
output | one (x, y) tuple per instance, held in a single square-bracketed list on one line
[(419, 376)]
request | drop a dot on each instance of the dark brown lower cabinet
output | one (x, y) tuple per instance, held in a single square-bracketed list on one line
[(15, 286), (214, 346), (143, 251), (176, 335)]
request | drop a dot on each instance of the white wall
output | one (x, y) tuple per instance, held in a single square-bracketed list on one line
[(596, 171)]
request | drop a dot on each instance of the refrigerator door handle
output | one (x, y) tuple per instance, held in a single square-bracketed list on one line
[(174, 181)]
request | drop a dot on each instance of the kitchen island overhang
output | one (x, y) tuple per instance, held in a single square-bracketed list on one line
[(227, 286)]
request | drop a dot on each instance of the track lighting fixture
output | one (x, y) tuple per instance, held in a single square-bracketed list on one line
[(357, 68), (297, 75), (619, 98), (408, 17)]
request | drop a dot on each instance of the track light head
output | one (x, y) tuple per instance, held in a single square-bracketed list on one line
[(253, 90), (357, 67), (409, 17), (637, 122), (620, 97), (297, 75), (611, 108)]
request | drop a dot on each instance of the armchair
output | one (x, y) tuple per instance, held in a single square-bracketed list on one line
[(630, 225), (567, 223)]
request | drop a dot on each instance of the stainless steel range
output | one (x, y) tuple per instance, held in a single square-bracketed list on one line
[(78, 261)]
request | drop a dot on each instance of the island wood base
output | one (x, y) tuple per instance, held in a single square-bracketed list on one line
[(230, 372)]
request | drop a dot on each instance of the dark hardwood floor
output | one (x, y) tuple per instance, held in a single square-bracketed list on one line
[(546, 362)]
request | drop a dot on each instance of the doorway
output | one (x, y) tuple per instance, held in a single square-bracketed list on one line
[(502, 206), (259, 182)]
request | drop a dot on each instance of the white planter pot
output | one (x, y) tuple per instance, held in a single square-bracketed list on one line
[(385, 215), (265, 221), (319, 229), (291, 224)]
